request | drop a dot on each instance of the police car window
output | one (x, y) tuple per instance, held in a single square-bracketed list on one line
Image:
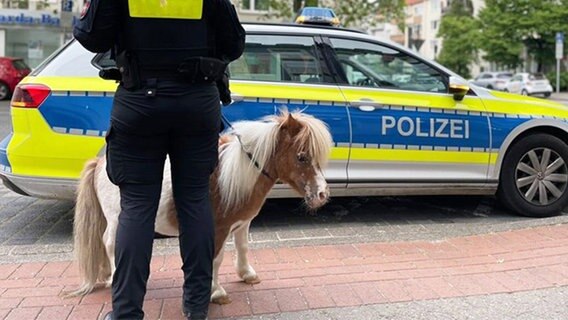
[(372, 65), (279, 59), (103, 60), (72, 61)]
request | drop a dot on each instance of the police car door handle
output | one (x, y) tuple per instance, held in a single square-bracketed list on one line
[(367, 108), (367, 105), (237, 97)]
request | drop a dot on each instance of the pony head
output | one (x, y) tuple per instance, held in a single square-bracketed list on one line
[(302, 151), (290, 147)]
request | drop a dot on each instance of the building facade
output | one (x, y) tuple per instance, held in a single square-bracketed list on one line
[(33, 29), (423, 18), (255, 10)]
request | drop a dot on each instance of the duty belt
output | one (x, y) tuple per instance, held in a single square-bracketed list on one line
[(192, 70)]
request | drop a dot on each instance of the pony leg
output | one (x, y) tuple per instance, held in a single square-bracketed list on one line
[(109, 238), (218, 293), (244, 269)]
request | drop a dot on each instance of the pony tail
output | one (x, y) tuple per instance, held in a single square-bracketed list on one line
[(88, 228)]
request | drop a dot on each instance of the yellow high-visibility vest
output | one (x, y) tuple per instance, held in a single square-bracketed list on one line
[(166, 9)]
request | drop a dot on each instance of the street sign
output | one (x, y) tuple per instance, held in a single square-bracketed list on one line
[(67, 5), (559, 45), (559, 56)]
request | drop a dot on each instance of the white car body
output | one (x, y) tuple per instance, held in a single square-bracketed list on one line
[(493, 80), (529, 84)]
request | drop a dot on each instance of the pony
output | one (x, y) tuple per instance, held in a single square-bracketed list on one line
[(253, 156)]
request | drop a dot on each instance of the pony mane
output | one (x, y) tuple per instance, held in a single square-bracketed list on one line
[(238, 174), (314, 137)]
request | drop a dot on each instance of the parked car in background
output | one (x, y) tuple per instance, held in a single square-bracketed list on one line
[(493, 80), (529, 84), (12, 71), (315, 15)]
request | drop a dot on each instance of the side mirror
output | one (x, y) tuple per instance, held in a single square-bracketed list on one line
[(458, 88)]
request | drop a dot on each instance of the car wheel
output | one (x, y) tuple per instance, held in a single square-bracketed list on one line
[(4, 91), (505, 90), (547, 95), (534, 176), (490, 87), (525, 92)]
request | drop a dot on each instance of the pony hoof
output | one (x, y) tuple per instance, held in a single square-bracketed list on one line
[(221, 300), (252, 280)]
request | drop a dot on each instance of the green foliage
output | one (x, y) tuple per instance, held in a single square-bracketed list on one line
[(509, 25), (563, 80), (42, 4), (307, 3), (23, 4), (351, 13), (463, 8), (281, 9), (460, 31), (365, 13)]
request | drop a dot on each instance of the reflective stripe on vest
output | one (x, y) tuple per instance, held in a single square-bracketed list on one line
[(166, 9)]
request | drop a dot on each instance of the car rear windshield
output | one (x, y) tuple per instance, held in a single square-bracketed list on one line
[(537, 76), (71, 60), (20, 65), (504, 75)]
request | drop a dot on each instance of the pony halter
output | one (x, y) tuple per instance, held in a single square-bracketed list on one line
[(249, 155)]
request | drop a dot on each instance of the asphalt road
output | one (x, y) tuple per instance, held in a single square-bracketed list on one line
[(31, 226)]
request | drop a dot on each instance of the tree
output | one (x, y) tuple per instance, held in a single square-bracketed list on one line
[(306, 3), (460, 32), (508, 26), (352, 13)]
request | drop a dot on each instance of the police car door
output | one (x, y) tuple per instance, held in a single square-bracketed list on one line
[(406, 127), (288, 72)]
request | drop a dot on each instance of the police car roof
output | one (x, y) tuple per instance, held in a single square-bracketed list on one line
[(302, 29)]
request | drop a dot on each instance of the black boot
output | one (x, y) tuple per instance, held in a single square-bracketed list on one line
[(193, 316)]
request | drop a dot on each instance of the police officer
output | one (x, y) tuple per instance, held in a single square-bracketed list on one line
[(169, 54)]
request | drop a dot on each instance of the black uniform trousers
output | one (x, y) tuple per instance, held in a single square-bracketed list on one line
[(180, 120)]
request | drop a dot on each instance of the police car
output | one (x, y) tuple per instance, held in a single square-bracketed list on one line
[(402, 125)]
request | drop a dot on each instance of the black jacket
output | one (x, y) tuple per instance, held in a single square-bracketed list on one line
[(107, 24)]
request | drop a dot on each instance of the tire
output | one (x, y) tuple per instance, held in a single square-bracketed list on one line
[(505, 90), (524, 92), (490, 87), (4, 91), (539, 194), (547, 95)]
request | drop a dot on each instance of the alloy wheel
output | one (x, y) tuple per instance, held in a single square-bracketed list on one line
[(541, 176)]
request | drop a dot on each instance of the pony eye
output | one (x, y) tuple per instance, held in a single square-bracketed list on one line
[(303, 158)]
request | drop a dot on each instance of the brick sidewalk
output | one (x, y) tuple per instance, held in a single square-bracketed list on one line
[(317, 277)]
